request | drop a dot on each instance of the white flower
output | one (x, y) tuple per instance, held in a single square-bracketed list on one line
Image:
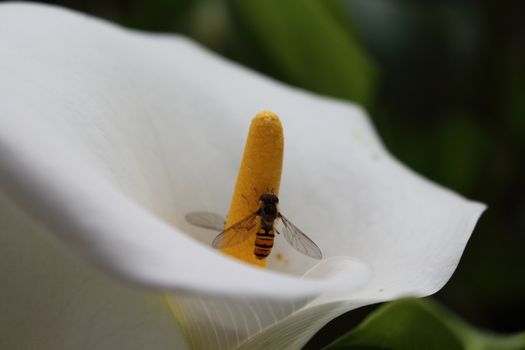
[(108, 137)]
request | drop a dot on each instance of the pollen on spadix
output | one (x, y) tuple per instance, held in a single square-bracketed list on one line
[(260, 172)]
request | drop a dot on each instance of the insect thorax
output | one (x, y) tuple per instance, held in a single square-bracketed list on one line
[(268, 213)]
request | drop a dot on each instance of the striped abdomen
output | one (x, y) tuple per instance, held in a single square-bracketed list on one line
[(263, 242)]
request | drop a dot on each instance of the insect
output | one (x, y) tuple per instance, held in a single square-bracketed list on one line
[(265, 218)]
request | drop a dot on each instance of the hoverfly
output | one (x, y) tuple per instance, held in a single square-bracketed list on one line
[(265, 217)]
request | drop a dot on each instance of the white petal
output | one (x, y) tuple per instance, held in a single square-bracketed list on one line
[(125, 163), (225, 323), (144, 129)]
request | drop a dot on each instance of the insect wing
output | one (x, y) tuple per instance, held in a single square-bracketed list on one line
[(207, 220), (236, 233), (299, 240)]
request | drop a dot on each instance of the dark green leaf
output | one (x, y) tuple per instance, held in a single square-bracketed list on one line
[(307, 45), (421, 324)]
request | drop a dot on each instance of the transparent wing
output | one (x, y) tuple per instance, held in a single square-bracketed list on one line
[(299, 240), (236, 233), (207, 220)]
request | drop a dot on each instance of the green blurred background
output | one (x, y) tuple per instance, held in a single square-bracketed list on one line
[(444, 82)]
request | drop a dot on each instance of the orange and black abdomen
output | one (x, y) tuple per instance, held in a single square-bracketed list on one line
[(263, 242)]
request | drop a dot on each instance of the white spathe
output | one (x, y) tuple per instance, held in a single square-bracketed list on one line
[(108, 137)]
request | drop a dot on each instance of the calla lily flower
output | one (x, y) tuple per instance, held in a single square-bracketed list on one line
[(109, 137)]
